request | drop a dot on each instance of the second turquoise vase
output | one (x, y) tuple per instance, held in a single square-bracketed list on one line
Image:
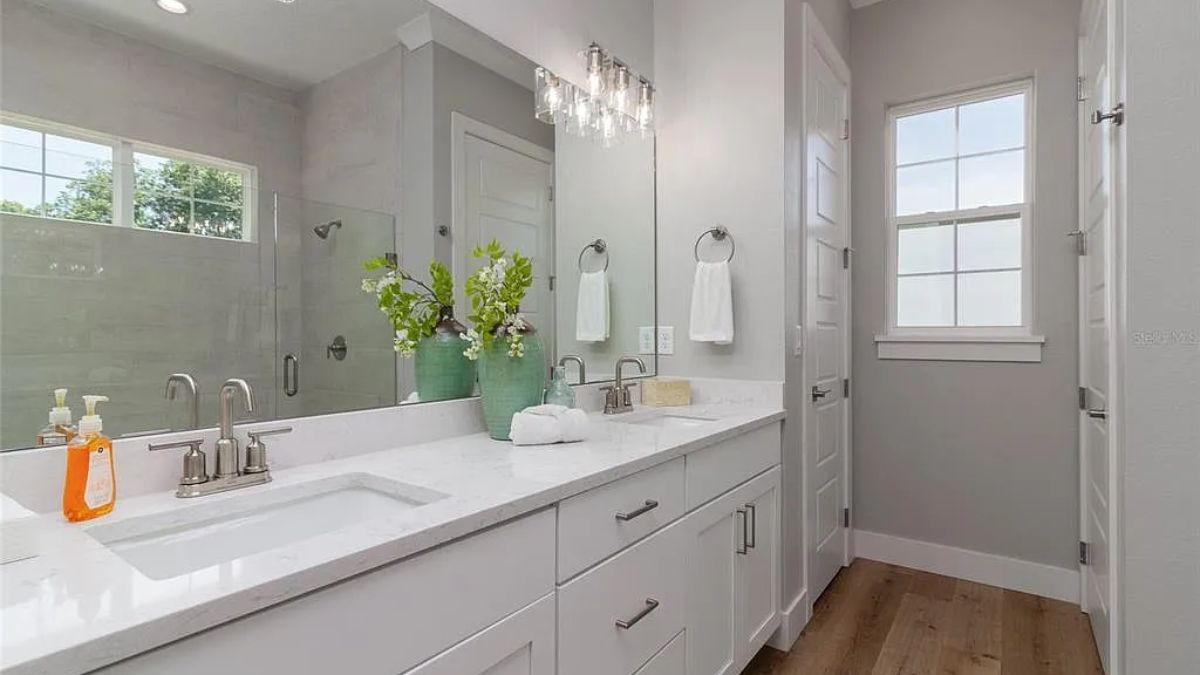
[(509, 385)]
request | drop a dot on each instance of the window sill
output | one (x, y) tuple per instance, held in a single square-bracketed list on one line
[(1009, 348)]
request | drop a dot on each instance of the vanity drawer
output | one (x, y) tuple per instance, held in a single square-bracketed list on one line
[(718, 468), (600, 522), (643, 587), (672, 660)]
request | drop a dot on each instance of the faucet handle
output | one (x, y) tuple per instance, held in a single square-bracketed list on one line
[(195, 470), (256, 449)]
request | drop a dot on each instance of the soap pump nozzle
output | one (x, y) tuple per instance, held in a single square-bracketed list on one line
[(60, 413), (91, 423)]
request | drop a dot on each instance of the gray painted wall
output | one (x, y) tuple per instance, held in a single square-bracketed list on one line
[(976, 455), (1162, 347)]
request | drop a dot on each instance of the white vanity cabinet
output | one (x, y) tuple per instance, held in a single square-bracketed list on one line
[(732, 576), (522, 644)]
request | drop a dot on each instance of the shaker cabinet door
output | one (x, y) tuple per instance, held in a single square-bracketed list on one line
[(521, 644)]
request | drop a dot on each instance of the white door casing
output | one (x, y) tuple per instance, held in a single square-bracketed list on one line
[(502, 190), (826, 308), (1099, 469)]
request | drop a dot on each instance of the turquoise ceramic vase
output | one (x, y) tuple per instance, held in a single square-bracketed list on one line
[(510, 385), (442, 371)]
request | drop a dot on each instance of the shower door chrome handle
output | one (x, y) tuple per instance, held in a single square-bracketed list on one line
[(291, 375)]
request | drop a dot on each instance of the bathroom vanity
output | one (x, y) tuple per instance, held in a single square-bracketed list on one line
[(651, 548)]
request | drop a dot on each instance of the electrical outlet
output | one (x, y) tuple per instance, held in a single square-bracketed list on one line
[(646, 339), (666, 339)]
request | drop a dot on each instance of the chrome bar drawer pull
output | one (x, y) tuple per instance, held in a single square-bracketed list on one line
[(649, 506), (742, 549), (751, 529), (651, 605)]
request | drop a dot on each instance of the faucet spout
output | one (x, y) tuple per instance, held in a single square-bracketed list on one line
[(582, 366), (629, 359), (229, 390), (177, 380)]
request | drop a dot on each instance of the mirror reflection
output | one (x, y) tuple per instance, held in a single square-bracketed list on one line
[(225, 192)]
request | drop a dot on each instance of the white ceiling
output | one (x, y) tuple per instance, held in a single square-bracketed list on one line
[(291, 45)]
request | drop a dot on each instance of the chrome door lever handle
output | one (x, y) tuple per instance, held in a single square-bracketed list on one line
[(819, 393), (1097, 413)]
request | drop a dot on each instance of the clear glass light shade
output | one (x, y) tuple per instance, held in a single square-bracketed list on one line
[(644, 114), (551, 101), (596, 83)]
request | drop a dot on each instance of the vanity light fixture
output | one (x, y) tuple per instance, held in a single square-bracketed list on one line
[(614, 102), (172, 6)]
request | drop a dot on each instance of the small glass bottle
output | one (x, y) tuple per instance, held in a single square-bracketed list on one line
[(560, 393)]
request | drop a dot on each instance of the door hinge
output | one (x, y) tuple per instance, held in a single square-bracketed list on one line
[(1083, 553), (552, 278), (846, 517), (846, 129), (550, 192), (846, 388), (846, 258), (1083, 398), (1079, 95)]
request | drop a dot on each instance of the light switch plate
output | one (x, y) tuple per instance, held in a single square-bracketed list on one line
[(666, 339), (798, 345), (646, 339)]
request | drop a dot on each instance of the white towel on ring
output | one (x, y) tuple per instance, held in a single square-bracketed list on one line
[(591, 307), (712, 304)]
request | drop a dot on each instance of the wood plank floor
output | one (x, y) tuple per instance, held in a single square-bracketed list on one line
[(880, 619)]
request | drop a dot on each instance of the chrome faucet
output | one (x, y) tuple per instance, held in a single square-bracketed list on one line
[(617, 398), (227, 445), (174, 381), (582, 366), (195, 481)]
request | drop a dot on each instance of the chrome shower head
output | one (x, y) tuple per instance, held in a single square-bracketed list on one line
[(323, 229)]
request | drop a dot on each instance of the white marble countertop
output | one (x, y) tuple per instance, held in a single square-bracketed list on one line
[(78, 606)]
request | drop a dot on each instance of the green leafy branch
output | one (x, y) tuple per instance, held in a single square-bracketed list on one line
[(411, 305), (496, 290)]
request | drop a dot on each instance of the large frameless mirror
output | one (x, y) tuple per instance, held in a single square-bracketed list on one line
[(198, 193)]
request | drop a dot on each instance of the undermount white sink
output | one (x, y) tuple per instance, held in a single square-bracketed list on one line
[(177, 542), (665, 420)]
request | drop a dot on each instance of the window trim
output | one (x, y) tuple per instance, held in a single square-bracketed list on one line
[(986, 343), (124, 175)]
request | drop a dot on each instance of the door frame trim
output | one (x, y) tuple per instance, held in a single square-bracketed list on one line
[(816, 38)]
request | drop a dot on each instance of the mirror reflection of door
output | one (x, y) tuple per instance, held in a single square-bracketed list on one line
[(503, 187)]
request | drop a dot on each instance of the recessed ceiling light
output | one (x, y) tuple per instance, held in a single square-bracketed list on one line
[(172, 6)]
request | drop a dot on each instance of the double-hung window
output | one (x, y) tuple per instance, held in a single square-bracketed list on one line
[(52, 171), (958, 212)]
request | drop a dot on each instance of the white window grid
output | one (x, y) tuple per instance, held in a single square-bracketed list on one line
[(1021, 210), (124, 173)]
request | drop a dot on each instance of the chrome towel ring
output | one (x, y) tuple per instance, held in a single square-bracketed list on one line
[(718, 233), (600, 248)]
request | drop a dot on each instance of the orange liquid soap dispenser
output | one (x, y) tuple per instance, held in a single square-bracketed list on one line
[(91, 485)]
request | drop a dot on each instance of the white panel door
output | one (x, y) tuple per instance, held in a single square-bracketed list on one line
[(521, 644), (507, 198), (1097, 480), (826, 418)]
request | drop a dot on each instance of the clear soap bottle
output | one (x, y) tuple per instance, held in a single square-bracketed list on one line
[(59, 430), (559, 392)]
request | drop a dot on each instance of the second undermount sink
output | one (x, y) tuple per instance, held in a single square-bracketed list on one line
[(665, 420), (181, 541)]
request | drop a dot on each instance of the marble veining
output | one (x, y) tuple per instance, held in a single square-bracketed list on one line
[(78, 605)]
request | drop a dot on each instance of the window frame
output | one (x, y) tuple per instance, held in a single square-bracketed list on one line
[(978, 338), (124, 174)]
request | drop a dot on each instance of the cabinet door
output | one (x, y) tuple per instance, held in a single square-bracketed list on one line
[(521, 644), (758, 570), (714, 535)]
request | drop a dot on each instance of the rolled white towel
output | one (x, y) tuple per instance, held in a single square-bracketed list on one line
[(549, 423), (574, 425), (535, 429)]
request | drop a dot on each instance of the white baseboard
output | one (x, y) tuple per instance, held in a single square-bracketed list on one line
[(985, 568), (792, 621)]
